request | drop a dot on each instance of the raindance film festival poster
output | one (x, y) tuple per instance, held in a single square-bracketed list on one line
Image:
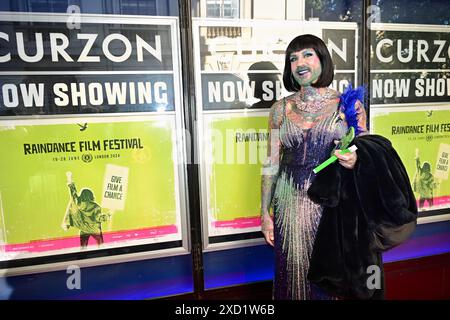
[(65, 177), (236, 151), (422, 140)]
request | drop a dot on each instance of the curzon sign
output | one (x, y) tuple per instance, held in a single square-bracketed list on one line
[(107, 65)]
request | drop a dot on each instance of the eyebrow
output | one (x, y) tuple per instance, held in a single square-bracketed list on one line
[(293, 54)]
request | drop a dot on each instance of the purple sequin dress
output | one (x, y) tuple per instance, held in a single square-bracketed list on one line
[(296, 217)]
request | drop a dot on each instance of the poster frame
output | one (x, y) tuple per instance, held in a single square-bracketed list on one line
[(179, 147)]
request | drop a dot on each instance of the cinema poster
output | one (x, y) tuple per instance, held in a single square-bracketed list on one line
[(234, 156), (421, 137), (87, 183), (90, 124)]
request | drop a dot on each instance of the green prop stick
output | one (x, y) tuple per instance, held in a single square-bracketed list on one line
[(342, 145), (345, 141), (333, 158)]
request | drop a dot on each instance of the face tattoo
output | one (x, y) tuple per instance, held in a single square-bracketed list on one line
[(305, 67)]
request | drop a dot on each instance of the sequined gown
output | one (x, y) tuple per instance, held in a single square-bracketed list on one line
[(296, 217)]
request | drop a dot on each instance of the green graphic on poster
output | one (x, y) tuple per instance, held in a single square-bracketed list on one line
[(422, 140), (64, 180), (238, 148)]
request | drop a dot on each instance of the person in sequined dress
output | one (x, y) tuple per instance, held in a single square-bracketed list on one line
[(304, 129)]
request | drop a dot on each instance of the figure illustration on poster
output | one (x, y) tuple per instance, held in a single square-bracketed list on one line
[(84, 213), (424, 182)]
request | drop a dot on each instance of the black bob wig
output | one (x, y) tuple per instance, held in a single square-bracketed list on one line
[(306, 41)]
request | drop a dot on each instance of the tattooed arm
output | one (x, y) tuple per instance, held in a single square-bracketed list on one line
[(270, 170)]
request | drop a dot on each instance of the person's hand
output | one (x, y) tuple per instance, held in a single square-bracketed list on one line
[(267, 228), (346, 160), (69, 177), (104, 216), (64, 226)]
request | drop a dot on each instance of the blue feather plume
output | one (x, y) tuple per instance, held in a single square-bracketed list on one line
[(347, 105)]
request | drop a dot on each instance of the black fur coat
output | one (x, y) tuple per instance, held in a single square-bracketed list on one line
[(367, 210)]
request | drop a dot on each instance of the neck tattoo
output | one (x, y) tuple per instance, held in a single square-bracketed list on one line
[(311, 100), (309, 93)]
